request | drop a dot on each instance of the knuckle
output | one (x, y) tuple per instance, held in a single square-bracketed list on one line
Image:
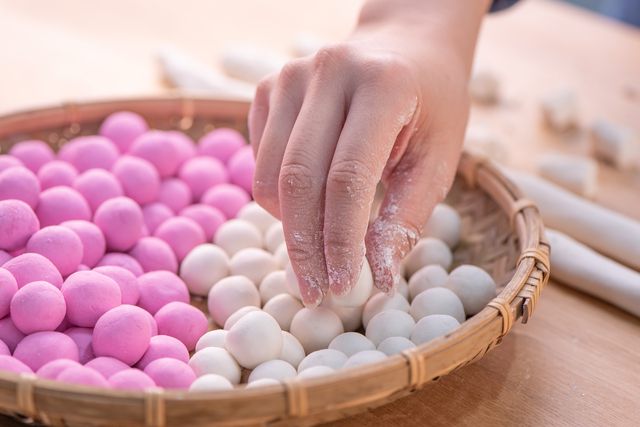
[(328, 56), (296, 180), (351, 176), (291, 73), (385, 69), (300, 253), (263, 89)]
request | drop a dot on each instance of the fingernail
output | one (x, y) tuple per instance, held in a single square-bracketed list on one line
[(311, 292)]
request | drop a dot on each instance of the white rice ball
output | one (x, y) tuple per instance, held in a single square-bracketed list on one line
[(211, 382), (433, 326), (395, 345), (316, 372), (274, 237), (360, 292), (236, 315), (315, 327), (444, 224), (474, 286), (364, 358), (254, 339), (255, 214), (350, 343), (389, 323), (326, 357), (203, 266), (437, 301), (292, 281), (283, 308), (351, 317), (403, 288), (229, 295), (213, 338), (237, 234), (380, 302), (253, 263), (275, 283), (430, 276), (428, 251), (292, 350), (273, 369), (265, 382), (215, 360), (282, 255)]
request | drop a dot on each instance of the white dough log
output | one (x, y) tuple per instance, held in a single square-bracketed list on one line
[(617, 145), (582, 268), (250, 63), (604, 230), (560, 110), (575, 173)]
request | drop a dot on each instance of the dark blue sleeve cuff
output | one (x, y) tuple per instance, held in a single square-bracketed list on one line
[(498, 5)]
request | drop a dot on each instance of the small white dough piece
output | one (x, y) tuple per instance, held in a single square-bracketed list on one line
[(273, 369), (403, 287), (560, 110), (316, 372), (575, 173), (444, 224), (364, 358), (237, 315), (274, 237), (616, 145), (274, 283), (283, 308), (292, 281), (474, 286), (292, 350), (484, 87), (389, 323), (428, 251), (215, 360), (282, 255), (229, 295), (265, 382), (316, 327), (351, 317), (326, 357), (253, 263), (254, 339), (203, 266), (250, 63), (213, 338), (360, 292), (211, 382), (428, 277), (381, 302), (431, 327), (395, 345), (350, 343), (305, 44), (237, 234), (437, 301), (255, 214)]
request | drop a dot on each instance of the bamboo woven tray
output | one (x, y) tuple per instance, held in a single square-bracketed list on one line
[(502, 233)]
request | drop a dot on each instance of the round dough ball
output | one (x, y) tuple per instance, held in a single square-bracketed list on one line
[(201, 173), (89, 152), (170, 373), (182, 321), (403, 288), (430, 276), (12, 364), (283, 308), (255, 214), (29, 267), (282, 255), (55, 174), (93, 242), (154, 254), (389, 323), (215, 360), (316, 327), (213, 338), (237, 315), (326, 357), (122, 128), (364, 358), (121, 222), (350, 343), (163, 346), (444, 224), (7, 161), (273, 369), (157, 148), (253, 263), (292, 350), (139, 179), (125, 279), (395, 345), (125, 261), (124, 333), (292, 281), (82, 375), (221, 144), (474, 286), (17, 224), (83, 338), (37, 306), (9, 334), (210, 382), (228, 198), (351, 317), (155, 214), (96, 186), (274, 283), (231, 294), (51, 370), (39, 348), (19, 183), (254, 339), (60, 204), (159, 288), (4, 257), (437, 301), (131, 379), (207, 217), (428, 251), (185, 146), (316, 372), (175, 194), (433, 326), (88, 296), (274, 237), (60, 245), (262, 383), (236, 234), (8, 288), (203, 267), (33, 154), (241, 167), (361, 291), (107, 366), (182, 234), (381, 302)]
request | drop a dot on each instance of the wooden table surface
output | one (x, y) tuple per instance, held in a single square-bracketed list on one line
[(577, 361)]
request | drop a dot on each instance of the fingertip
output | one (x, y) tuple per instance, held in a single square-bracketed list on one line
[(311, 294), (384, 255)]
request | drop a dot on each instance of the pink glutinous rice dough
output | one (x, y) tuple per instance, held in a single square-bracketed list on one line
[(11, 364), (175, 194), (37, 306), (154, 254), (33, 154), (9, 334), (21, 184), (157, 148), (8, 288), (30, 267), (7, 161), (139, 179), (170, 373), (60, 245), (51, 370), (82, 337), (121, 222), (56, 173), (182, 321), (122, 128), (93, 242), (125, 279), (131, 379), (123, 332), (4, 349), (125, 261), (107, 366), (97, 186), (201, 173), (159, 288), (42, 347), (83, 375), (184, 145), (17, 224), (228, 198), (89, 152), (242, 167), (164, 346), (209, 218), (60, 204), (221, 143), (155, 214), (89, 295), (182, 234)]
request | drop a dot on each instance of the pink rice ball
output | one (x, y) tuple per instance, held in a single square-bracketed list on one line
[(184, 145), (107, 366), (82, 337), (89, 295), (93, 242), (175, 194), (21, 184), (155, 214), (51, 370), (221, 143), (9, 334), (164, 346), (152, 324), (56, 173), (159, 288), (30, 267), (182, 234), (121, 222), (64, 325), (97, 186), (8, 288), (154, 254), (182, 321), (139, 179), (7, 162), (4, 256), (202, 173), (37, 306), (17, 224), (207, 217), (60, 245), (60, 204), (42, 347), (33, 154), (4, 350), (241, 168), (131, 379), (125, 279), (170, 373), (12, 364), (125, 261), (123, 332), (157, 148), (122, 128), (227, 198), (82, 375), (89, 152)]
